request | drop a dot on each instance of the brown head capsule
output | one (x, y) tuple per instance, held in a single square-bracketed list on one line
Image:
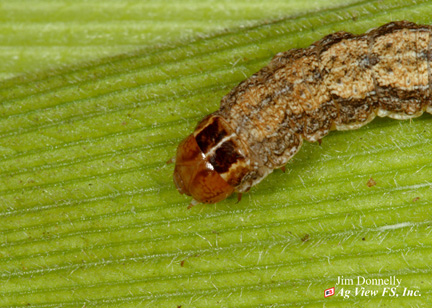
[(340, 82), (210, 162)]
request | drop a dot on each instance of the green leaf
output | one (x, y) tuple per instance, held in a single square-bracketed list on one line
[(36, 34), (89, 215)]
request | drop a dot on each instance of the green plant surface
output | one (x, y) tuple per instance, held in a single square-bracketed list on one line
[(90, 217), (36, 34)]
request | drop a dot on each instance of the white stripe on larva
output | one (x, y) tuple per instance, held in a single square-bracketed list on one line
[(213, 149)]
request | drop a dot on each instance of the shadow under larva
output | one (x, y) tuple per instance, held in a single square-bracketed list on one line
[(340, 82)]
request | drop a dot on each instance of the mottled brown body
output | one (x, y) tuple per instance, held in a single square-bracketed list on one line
[(340, 82)]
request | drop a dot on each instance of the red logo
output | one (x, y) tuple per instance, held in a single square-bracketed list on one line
[(329, 292)]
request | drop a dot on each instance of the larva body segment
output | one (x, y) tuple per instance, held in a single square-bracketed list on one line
[(340, 82)]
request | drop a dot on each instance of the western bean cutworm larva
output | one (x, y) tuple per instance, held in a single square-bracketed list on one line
[(340, 82)]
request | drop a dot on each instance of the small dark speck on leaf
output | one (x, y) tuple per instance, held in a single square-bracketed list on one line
[(371, 182), (363, 239), (416, 199), (305, 238)]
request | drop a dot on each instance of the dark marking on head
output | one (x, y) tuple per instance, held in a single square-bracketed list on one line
[(211, 135), (225, 156)]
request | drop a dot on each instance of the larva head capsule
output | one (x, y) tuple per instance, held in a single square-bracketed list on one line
[(196, 177), (210, 162)]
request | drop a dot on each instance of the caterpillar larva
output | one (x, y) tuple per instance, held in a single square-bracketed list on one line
[(340, 82)]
